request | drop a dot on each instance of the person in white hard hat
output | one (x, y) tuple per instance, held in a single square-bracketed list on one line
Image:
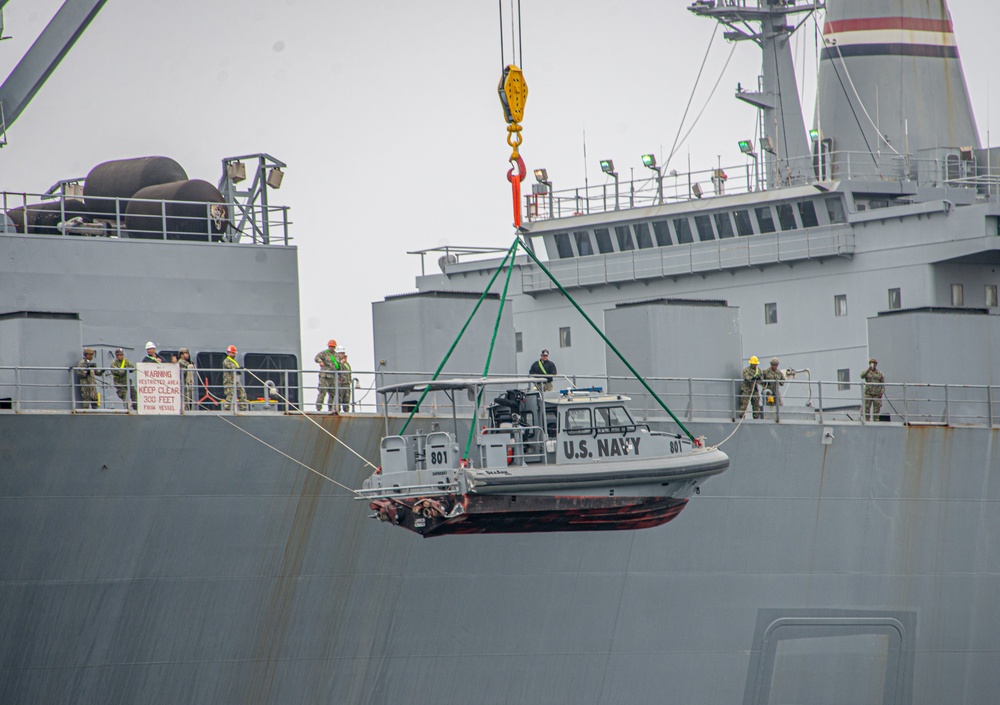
[(151, 355)]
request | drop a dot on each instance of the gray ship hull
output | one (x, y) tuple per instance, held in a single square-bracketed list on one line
[(139, 567)]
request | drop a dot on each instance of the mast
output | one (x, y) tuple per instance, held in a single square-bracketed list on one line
[(784, 142)]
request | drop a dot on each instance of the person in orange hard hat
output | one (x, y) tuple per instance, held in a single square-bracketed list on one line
[(329, 366), (231, 383)]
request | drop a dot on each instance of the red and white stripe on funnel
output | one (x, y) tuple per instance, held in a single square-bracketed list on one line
[(889, 36)]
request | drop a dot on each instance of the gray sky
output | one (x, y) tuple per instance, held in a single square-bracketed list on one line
[(388, 117)]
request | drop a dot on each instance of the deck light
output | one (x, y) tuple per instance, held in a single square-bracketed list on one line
[(274, 178), (649, 160), (542, 176), (236, 171), (608, 167), (814, 135), (746, 146)]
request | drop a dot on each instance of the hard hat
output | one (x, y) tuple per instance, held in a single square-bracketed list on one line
[(119, 350), (184, 350), (774, 361), (754, 360), (231, 350), (871, 360), (331, 343), (545, 351), (340, 349), (150, 344), (88, 351)]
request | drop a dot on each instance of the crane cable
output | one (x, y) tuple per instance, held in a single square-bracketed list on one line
[(513, 92)]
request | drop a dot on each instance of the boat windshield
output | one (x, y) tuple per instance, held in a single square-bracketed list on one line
[(613, 418)]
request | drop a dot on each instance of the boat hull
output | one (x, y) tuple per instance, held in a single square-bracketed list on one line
[(510, 514)]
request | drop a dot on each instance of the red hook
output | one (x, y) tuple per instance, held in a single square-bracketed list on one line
[(515, 186)]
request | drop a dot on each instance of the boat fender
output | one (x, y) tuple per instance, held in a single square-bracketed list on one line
[(510, 455)]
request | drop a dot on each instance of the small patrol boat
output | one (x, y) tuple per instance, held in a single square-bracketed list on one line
[(576, 461)]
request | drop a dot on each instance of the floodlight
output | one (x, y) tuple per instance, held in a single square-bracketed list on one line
[(541, 176), (608, 167), (746, 146), (274, 178), (696, 190), (649, 160), (236, 171), (814, 135)]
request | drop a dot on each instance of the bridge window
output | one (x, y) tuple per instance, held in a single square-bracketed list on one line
[(683, 229), (991, 296), (624, 236), (770, 313), (957, 295), (583, 245), (764, 219), (786, 216), (895, 299), (518, 342), (565, 340), (604, 245), (704, 225), (835, 210), (840, 305), (578, 421), (642, 236), (662, 232), (843, 380), (724, 225), (743, 224), (807, 212), (563, 246)]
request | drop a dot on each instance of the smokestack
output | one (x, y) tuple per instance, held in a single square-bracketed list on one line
[(891, 68)]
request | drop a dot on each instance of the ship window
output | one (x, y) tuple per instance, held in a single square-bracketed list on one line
[(764, 219), (578, 421), (613, 418), (624, 236), (807, 212), (583, 245), (604, 245), (843, 380), (840, 305), (743, 224), (724, 225), (835, 210), (991, 296), (662, 232), (683, 229), (563, 246), (518, 342), (895, 299), (642, 236), (770, 313), (565, 340), (704, 225), (957, 295), (786, 216)]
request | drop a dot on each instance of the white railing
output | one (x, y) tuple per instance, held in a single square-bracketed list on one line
[(57, 390)]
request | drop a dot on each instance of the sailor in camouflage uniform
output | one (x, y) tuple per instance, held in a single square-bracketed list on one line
[(120, 373), (874, 391), (187, 377), (231, 384), (329, 366), (752, 382), (344, 380), (87, 373), (774, 378)]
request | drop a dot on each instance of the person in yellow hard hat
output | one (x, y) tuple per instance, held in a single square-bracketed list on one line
[(329, 366), (232, 385), (750, 389)]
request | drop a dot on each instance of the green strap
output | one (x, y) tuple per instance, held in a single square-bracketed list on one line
[(605, 338), (489, 354), (437, 372)]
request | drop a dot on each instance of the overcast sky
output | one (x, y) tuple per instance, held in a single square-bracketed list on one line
[(387, 114)]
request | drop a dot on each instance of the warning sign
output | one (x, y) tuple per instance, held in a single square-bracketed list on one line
[(159, 387)]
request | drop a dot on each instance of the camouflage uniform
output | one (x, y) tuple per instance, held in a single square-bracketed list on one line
[(189, 380), (120, 374), (752, 377), (87, 373), (345, 382), (329, 366), (873, 392), (232, 385), (775, 378)]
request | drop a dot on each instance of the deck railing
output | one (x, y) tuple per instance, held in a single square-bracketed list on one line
[(57, 390)]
